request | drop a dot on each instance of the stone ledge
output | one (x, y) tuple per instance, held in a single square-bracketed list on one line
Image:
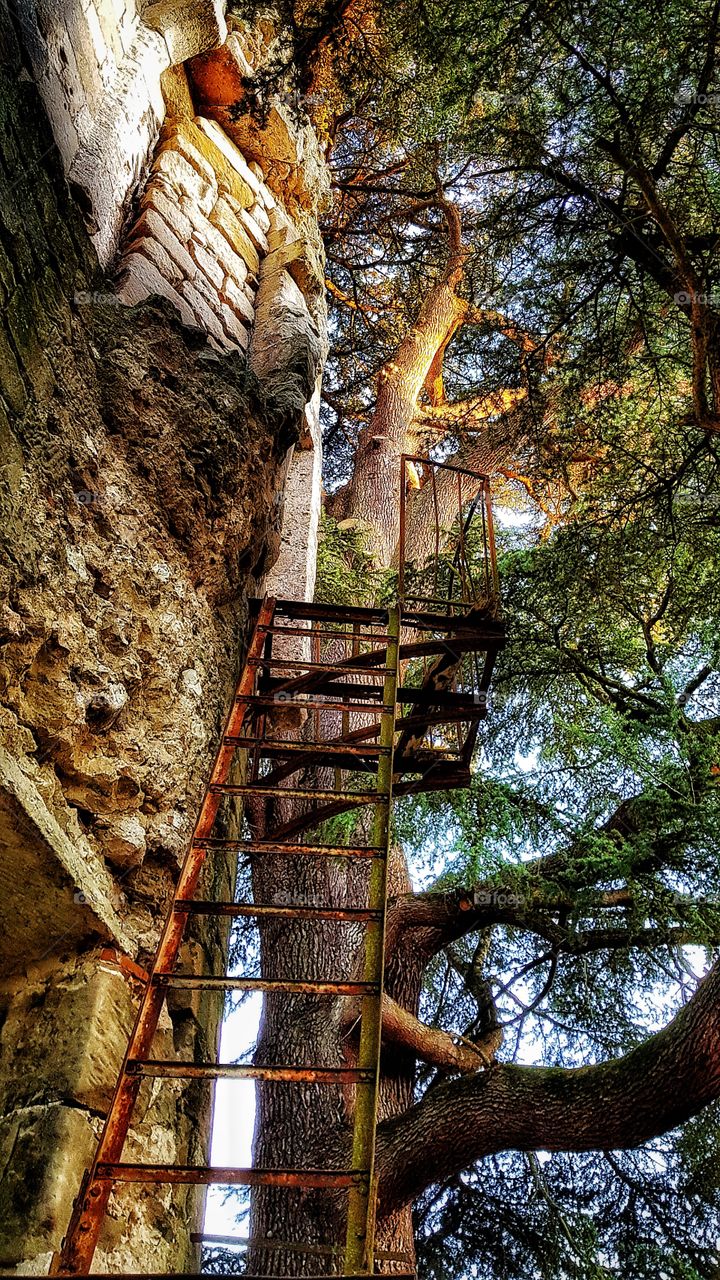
[(56, 892), (189, 27)]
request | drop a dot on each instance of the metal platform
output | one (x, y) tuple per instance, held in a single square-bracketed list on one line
[(336, 708)]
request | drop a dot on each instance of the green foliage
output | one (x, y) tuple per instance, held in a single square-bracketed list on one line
[(602, 747), (345, 568)]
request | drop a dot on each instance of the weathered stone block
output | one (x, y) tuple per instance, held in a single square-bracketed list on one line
[(285, 351), (234, 327), (238, 300), (63, 1038), (202, 308), (235, 234), (157, 198), (303, 262), (259, 214), (208, 265), (190, 139), (50, 1149), (140, 279), (254, 230), (282, 229), (232, 154), (178, 141), (186, 179), (176, 92), (54, 891), (151, 229)]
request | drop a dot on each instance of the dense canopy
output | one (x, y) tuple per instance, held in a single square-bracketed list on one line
[(523, 247)]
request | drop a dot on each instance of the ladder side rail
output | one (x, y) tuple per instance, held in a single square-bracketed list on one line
[(360, 1239), (78, 1249)]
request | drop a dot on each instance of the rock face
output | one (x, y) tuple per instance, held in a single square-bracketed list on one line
[(155, 419)]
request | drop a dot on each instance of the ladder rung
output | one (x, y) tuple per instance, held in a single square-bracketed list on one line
[(294, 793), (203, 1176), (309, 633), (248, 1071), (252, 847), (309, 700), (272, 1244), (324, 748), (313, 987), (435, 698), (287, 912), (326, 612), (327, 690), (329, 668)]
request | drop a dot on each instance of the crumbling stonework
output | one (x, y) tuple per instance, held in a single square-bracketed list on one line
[(148, 418)]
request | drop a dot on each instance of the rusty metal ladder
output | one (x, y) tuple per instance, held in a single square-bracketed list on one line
[(254, 693)]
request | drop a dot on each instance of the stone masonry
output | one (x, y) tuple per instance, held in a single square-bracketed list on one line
[(161, 348)]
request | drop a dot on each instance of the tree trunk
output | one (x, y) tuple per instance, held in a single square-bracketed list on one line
[(309, 1125), (372, 495)]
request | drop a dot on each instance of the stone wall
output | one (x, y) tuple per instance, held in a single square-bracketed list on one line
[(156, 410), (98, 66)]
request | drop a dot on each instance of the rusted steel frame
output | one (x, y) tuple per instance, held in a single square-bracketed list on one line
[(360, 1238), (242, 909), (437, 699), (272, 1244), (433, 719), (369, 663), (199, 1175), (419, 620), (328, 689), (435, 783), (443, 466), (476, 639), (311, 611), (448, 601), (430, 719), (316, 657), (436, 514), (486, 546), (343, 667), (433, 467), (247, 1071), (488, 668), (324, 633), (295, 793), (258, 847), (460, 553), (284, 767), (76, 1254), (409, 693), (461, 557), (403, 519), (491, 540), (468, 746), (345, 722), (259, 720), (219, 982), (360, 760)]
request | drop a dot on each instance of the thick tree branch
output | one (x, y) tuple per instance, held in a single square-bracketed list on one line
[(430, 1044), (615, 1105)]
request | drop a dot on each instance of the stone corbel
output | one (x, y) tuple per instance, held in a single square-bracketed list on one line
[(189, 27)]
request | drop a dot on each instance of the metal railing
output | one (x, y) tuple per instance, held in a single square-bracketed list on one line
[(447, 557)]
